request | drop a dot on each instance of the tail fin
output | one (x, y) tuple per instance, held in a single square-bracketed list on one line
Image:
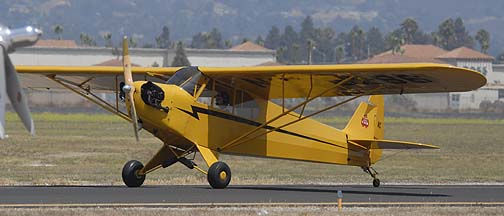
[(367, 122)]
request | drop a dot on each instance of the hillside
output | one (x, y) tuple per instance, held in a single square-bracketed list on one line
[(244, 18)]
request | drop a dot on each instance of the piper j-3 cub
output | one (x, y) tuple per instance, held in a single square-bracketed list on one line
[(242, 111)]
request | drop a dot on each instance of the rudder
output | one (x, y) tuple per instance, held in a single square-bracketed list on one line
[(367, 122)]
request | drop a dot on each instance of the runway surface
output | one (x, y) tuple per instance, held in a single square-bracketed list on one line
[(36, 196)]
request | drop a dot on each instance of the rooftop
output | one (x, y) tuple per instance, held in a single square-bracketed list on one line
[(249, 46), (114, 62), (465, 53), (425, 53), (56, 43)]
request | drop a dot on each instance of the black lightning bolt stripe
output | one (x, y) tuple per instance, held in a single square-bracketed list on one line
[(196, 110)]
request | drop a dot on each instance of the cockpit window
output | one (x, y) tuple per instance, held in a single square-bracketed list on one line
[(187, 78)]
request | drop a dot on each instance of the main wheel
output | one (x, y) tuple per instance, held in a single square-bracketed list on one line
[(219, 175), (376, 182), (130, 174)]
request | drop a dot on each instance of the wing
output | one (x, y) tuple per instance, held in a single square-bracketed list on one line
[(390, 144), (302, 81), (97, 78)]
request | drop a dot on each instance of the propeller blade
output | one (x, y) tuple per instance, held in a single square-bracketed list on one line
[(3, 93), (129, 88), (17, 98)]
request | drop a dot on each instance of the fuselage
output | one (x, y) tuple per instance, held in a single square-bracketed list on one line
[(178, 118)]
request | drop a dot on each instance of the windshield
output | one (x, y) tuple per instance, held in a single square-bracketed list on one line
[(186, 78)]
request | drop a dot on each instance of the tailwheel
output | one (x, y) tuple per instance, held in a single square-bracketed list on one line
[(376, 182), (219, 175), (372, 172), (130, 175)]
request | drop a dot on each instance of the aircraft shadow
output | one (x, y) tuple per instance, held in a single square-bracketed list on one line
[(317, 190)]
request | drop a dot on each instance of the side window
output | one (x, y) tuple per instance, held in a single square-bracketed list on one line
[(227, 99), (223, 98), (245, 105)]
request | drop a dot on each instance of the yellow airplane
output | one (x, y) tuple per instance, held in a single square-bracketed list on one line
[(242, 110)]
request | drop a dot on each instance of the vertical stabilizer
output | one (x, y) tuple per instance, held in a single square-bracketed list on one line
[(367, 120)]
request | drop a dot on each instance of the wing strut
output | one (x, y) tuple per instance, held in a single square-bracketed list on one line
[(86, 93), (240, 139)]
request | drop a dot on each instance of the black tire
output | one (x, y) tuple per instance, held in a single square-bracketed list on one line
[(219, 175), (129, 174), (376, 182)]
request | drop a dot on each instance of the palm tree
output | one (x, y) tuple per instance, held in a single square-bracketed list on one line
[(409, 27), (483, 38), (86, 40), (107, 36), (58, 29)]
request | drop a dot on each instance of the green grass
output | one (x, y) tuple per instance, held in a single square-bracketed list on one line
[(91, 149)]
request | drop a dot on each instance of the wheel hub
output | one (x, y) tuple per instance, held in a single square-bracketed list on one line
[(222, 175)]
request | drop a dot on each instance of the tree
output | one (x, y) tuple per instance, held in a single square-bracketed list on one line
[(58, 30), (452, 34), (259, 40), (180, 58), (133, 42), (409, 28), (86, 40), (483, 38), (272, 40), (288, 37), (339, 55), (228, 44), (324, 49), (375, 41), (307, 30), (446, 36), (207, 40), (199, 41), (462, 37), (107, 36), (163, 40), (215, 41), (356, 44)]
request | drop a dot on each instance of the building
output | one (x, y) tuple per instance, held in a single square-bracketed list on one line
[(68, 53), (460, 57)]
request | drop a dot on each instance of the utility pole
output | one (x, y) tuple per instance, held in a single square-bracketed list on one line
[(311, 44)]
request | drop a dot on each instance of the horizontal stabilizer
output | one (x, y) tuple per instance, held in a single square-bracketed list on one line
[(391, 144)]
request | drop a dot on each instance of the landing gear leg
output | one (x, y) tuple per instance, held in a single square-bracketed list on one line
[(372, 172)]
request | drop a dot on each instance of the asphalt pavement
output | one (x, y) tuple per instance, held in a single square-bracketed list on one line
[(172, 195)]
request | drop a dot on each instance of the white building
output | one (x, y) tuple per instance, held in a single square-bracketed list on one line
[(67, 53)]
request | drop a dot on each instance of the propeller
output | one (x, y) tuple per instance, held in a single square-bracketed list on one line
[(129, 88), (10, 39)]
